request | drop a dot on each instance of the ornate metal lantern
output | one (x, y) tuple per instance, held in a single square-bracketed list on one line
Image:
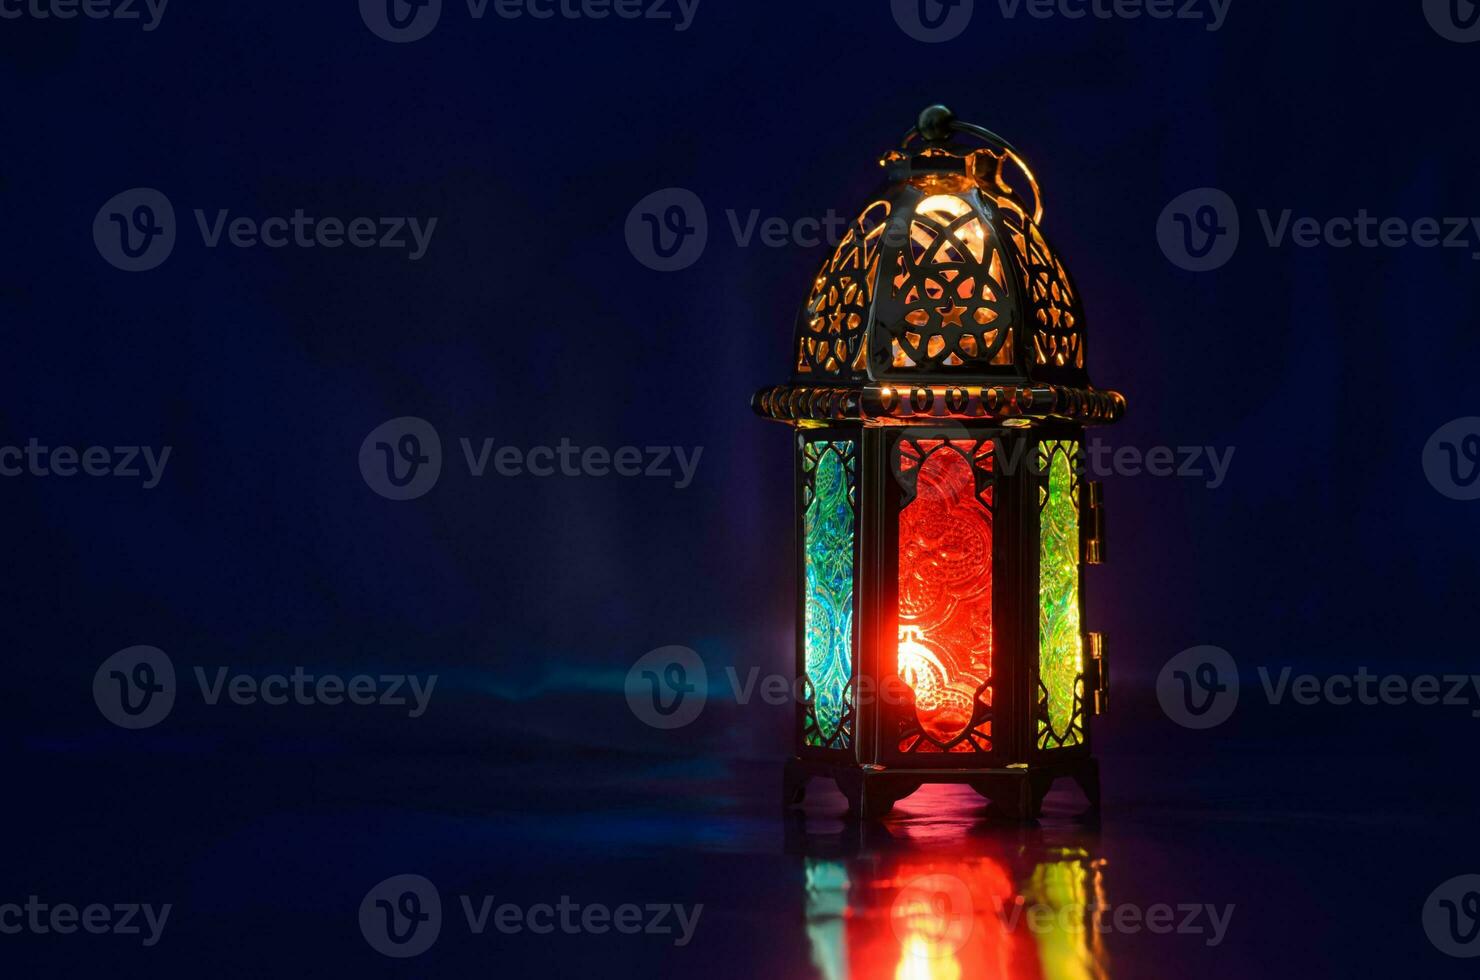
[(939, 400)]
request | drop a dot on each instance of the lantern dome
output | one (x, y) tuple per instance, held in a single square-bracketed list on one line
[(943, 298)]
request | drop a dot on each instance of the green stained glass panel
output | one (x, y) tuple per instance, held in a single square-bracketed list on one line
[(1060, 644), (828, 527)]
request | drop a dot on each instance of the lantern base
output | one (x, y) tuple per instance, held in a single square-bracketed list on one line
[(1015, 793)]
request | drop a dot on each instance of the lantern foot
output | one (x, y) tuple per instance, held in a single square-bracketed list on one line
[(871, 793), (1011, 795), (1022, 797), (868, 797), (872, 803), (1088, 778), (793, 784), (880, 795)]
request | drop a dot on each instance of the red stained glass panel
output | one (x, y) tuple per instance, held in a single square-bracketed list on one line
[(945, 594)]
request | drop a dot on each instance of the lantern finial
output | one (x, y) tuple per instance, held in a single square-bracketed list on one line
[(935, 123)]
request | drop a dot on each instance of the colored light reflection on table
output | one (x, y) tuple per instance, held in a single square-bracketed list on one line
[(955, 919)]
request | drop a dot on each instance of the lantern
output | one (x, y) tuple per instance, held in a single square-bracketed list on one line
[(939, 400)]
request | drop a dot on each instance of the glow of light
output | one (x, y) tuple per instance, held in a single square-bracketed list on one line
[(944, 209), (920, 959), (920, 669), (930, 934)]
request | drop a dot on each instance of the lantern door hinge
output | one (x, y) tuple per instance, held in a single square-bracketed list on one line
[(1094, 523), (1097, 671)]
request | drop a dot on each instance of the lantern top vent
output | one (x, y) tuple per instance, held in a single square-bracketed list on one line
[(944, 282)]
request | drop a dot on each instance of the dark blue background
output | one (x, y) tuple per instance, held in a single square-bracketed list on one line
[(529, 320)]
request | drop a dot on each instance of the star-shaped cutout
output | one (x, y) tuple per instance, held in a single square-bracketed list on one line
[(951, 315)]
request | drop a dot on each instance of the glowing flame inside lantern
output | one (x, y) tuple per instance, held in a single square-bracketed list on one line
[(945, 209), (921, 670)]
